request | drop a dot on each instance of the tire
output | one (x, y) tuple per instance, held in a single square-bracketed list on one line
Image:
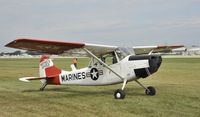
[(119, 94), (41, 89), (151, 91)]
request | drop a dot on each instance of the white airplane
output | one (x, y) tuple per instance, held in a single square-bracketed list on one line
[(126, 65)]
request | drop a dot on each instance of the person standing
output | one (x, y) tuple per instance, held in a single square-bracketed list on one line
[(75, 61)]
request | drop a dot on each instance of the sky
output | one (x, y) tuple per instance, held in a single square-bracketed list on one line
[(111, 22)]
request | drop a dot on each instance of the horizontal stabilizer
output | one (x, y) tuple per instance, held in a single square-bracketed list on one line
[(27, 79)]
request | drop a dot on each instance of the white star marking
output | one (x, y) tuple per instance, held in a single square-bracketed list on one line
[(94, 74)]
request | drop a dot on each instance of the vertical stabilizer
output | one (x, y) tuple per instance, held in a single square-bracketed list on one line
[(47, 68)]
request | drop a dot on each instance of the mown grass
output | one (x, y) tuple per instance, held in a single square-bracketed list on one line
[(177, 83)]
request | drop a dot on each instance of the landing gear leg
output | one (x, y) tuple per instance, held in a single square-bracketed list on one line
[(149, 90), (119, 93), (43, 86)]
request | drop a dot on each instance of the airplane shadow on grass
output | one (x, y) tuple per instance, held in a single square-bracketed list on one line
[(71, 92)]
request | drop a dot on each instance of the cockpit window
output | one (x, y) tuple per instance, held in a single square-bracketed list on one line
[(123, 52), (113, 57)]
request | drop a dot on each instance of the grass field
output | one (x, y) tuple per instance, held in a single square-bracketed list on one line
[(177, 83)]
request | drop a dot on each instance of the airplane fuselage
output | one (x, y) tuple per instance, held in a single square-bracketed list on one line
[(130, 68)]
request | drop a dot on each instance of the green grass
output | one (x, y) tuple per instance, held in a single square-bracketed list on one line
[(177, 83)]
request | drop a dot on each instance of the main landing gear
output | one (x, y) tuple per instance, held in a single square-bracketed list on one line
[(149, 90), (120, 94)]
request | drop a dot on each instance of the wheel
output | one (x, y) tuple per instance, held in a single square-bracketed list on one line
[(151, 91), (119, 94), (41, 89)]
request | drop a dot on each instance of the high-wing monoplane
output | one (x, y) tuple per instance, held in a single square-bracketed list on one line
[(128, 64)]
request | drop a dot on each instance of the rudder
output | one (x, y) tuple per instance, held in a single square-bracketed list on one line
[(47, 68)]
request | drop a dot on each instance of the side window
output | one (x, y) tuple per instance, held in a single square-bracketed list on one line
[(106, 59), (110, 59), (114, 59)]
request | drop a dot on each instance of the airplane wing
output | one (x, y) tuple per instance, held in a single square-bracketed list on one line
[(58, 47), (154, 49)]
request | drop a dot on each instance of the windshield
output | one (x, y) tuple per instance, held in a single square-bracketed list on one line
[(124, 51)]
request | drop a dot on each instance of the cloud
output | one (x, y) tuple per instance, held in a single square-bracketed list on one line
[(179, 24)]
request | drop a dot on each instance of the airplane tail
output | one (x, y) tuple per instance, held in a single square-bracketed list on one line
[(48, 69)]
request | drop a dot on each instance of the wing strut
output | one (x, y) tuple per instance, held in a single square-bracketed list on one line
[(99, 60)]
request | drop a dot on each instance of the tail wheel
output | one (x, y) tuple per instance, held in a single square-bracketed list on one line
[(43, 86), (41, 89), (151, 91), (119, 94)]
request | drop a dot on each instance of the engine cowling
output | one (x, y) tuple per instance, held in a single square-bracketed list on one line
[(154, 64)]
